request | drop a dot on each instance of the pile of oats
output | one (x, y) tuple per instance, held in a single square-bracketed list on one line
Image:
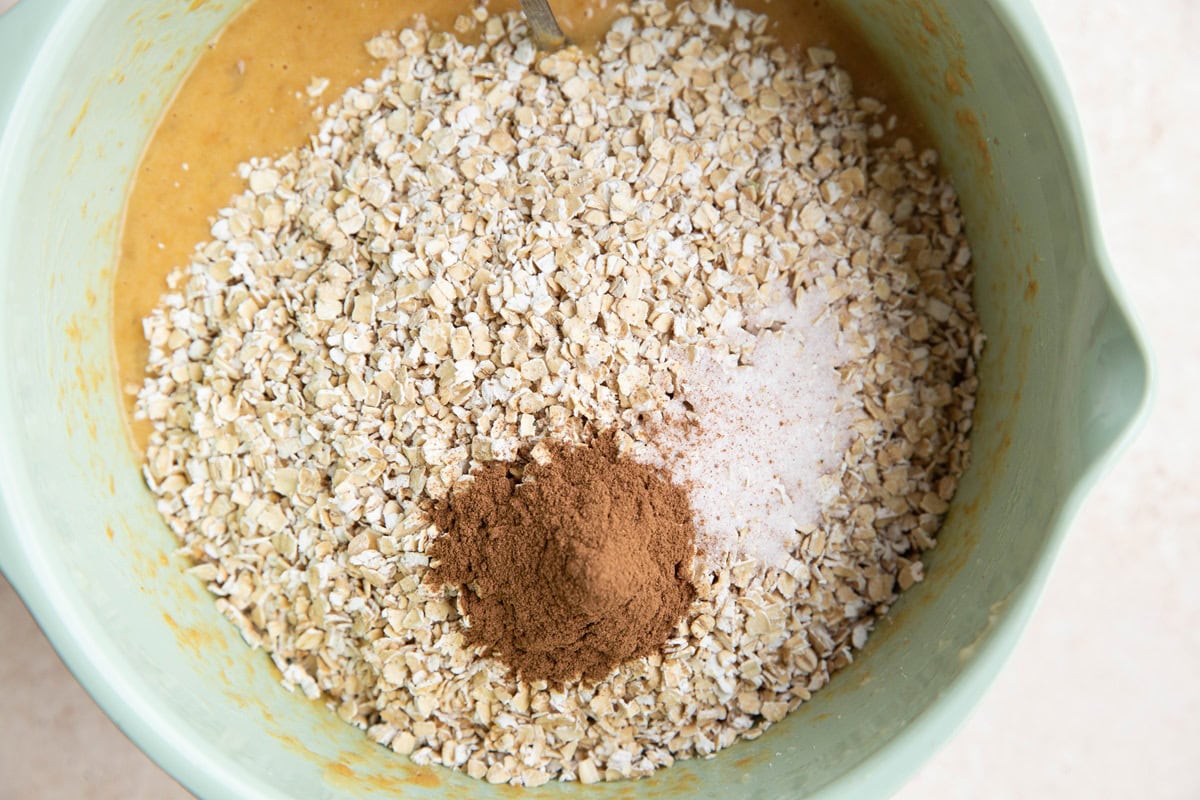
[(488, 247)]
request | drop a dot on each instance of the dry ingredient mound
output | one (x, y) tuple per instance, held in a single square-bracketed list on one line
[(490, 248), (579, 565)]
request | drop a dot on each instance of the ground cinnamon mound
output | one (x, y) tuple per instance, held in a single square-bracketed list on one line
[(581, 564)]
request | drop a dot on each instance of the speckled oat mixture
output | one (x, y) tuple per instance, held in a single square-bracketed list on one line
[(489, 247)]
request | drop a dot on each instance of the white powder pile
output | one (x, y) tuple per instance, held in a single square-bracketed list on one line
[(763, 438)]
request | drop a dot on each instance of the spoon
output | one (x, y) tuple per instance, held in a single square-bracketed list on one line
[(546, 33)]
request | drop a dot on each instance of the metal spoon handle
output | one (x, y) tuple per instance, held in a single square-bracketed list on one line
[(546, 33)]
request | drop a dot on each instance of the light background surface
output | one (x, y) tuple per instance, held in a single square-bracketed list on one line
[(1102, 697)]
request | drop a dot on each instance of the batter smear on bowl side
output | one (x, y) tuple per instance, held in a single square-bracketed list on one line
[(675, 330)]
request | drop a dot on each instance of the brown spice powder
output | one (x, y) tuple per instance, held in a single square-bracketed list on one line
[(581, 564)]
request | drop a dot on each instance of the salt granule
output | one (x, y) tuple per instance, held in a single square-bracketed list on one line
[(765, 434)]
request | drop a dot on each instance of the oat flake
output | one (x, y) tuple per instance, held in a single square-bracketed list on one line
[(487, 247)]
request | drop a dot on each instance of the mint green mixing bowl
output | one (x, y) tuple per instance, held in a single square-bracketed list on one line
[(1064, 378)]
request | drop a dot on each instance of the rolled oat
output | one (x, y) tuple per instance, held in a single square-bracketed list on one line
[(488, 247)]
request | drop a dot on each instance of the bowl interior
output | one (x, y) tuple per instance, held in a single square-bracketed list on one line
[(1062, 376)]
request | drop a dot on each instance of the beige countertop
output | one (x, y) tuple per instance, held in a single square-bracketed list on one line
[(1101, 698)]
